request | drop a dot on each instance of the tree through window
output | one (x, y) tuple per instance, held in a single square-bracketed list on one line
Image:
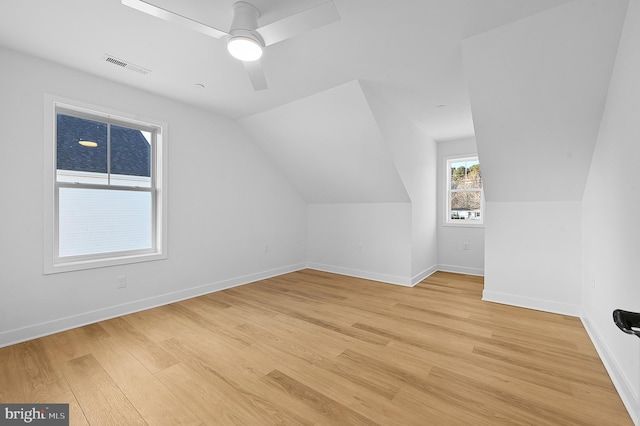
[(464, 191)]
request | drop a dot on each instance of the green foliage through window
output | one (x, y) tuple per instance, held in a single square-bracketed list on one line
[(464, 200)]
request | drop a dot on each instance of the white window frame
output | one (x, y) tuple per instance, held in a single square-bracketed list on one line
[(447, 192), (54, 263)]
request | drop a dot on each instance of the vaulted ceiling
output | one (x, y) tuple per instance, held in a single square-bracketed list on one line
[(534, 73), (410, 49), (538, 89), (330, 147)]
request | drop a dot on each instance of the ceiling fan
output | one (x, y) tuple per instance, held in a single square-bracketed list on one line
[(245, 40)]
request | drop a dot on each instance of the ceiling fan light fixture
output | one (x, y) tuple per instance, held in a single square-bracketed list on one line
[(245, 48)]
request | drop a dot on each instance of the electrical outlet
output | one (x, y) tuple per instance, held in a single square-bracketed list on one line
[(121, 282), (466, 246), (266, 248)]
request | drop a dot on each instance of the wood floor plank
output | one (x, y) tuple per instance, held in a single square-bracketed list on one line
[(149, 353), (42, 379), (284, 308), (444, 410), (355, 394), (412, 357), (460, 335), (316, 400), (213, 354), (76, 416), (102, 401), (11, 377), (156, 324), (398, 375), (545, 364), (315, 348), (372, 380), (200, 324), (498, 401), (214, 397), (137, 383)]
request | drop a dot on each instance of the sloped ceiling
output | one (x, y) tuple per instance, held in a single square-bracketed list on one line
[(537, 71), (408, 49), (330, 148), (538, 88)]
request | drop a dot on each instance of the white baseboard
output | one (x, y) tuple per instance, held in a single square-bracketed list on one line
[(422, 275), (461, 270), (34, 331), (390, 279), (628, 396), (367, 275), (532, 303)]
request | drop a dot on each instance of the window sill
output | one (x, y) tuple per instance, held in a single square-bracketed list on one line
[(464, 225), (102, 263)]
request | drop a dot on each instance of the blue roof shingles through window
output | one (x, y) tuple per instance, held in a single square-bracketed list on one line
[(130, 150)]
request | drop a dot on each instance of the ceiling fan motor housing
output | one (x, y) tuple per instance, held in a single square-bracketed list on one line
[(245, 22)]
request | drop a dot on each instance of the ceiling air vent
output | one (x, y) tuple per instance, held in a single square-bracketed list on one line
[(124, 64)]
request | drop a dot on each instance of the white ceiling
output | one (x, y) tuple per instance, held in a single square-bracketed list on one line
[(347, 161), (537, 71), (408, 50), (538, 89)]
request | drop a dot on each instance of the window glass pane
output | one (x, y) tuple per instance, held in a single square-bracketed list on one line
[(465, 175), (465, 205), (130, 157), (81, 150), (93, 221)]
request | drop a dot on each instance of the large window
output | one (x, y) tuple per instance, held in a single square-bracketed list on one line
[(464, 191), (109, 197)]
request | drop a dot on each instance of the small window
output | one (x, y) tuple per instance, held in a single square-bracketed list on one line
[(465, 200), (108, 201)]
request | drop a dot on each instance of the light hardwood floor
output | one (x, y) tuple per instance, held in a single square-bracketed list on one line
[(312, 348)]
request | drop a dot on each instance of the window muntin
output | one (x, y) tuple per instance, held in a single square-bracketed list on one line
[(464, 191), (108, 199)]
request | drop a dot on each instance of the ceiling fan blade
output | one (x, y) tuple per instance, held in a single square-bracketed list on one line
[(256, 75), (173, 17), (293, 25)]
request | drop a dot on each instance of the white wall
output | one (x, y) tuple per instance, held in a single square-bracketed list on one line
[(538, 87), (415, 157), (393, 242), (533, 255), (226, 200), (360, 221), (610, 232), (452, 256), (366, 240)]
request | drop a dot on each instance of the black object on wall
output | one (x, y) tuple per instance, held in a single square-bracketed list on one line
[(629, 322)]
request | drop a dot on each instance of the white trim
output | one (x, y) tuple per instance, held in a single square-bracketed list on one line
[(367, 275), (532, 303), (461, 270), (464, 225), (625, 390), (50, 262), (423, 275), (35, 331)]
